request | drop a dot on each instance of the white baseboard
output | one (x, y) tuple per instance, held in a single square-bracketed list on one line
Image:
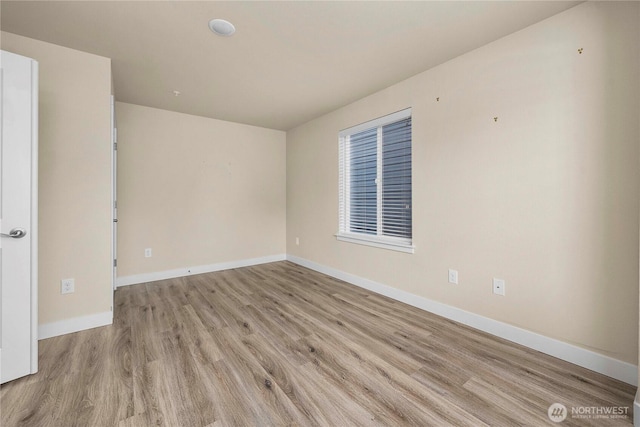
[(188, 271), (606, 365), (75, 324)]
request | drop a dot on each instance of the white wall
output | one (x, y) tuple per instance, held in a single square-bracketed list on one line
[(197, 191), (74, 180), (545, 198)]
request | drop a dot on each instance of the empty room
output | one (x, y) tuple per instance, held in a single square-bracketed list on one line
[(319, 213)]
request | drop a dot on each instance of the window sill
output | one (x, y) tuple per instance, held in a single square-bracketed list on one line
[(377, 242)]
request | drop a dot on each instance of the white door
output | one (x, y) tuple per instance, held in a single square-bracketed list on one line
[(18, 216)]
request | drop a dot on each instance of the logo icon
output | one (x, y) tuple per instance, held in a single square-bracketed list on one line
[(557, 412)]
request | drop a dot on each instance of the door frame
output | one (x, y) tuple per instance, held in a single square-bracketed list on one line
[(114, 197), (34, 214)]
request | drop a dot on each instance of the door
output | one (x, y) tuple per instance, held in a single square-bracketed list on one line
[(18, 216)]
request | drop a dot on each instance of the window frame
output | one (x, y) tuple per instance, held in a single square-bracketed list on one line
[(344, 234)]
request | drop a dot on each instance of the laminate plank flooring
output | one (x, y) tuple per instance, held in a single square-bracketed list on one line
[(279, 345)]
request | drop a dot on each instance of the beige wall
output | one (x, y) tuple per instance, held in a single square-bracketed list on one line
[(545, 198), (198, 191), (75, 178)]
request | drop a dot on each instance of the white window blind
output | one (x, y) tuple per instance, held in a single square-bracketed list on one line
[(375, 183), (363, 173), (396, 179)]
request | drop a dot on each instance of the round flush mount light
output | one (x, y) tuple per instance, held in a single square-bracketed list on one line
[(222, 27)]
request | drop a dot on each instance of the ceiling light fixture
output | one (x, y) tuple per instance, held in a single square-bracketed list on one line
[(222, 27)]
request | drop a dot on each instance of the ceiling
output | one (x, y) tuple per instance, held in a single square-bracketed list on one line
[(288, 62)]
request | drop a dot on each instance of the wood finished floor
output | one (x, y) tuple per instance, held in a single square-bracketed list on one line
[(277, 345)]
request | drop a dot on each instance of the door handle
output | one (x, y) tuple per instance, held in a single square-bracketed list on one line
[(16, 233)]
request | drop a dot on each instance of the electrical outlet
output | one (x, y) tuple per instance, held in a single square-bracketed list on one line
[(453, 276), (499, 286), (147, 253), (67, 286), (297, 241)]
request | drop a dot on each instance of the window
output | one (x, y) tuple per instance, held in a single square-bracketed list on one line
[(375, 183)]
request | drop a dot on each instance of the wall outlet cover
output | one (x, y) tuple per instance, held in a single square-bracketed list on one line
[(67, 286), (453, 276), (499, 286)]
